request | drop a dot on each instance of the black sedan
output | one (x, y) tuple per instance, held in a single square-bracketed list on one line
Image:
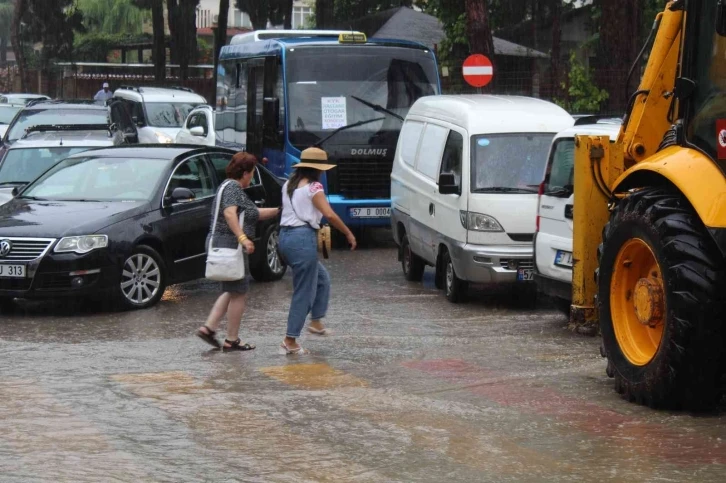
[(124, 221)]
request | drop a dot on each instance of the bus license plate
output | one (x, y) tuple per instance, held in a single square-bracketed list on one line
[(12, 271), (525, 275), (563, 259), (370, 212)]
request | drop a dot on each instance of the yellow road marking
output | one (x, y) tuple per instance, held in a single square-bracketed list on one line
[(312, 376)]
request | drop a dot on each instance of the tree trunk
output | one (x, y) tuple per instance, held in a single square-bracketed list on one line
[(288, 15), (555, 52), (324, 11), (172, 13), (159, 52), (478, 29), (20, 8), (617, 50), (4, 50)]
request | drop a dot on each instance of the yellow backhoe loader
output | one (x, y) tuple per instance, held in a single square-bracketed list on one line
[(650, 220)]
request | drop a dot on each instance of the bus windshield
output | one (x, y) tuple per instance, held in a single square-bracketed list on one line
[(329, 87)]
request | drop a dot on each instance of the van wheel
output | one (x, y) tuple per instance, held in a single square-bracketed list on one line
[(455, 288), (413, 265)]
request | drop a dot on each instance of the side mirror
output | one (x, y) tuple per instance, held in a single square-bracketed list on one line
[(180, 195), (721, 18), (197, 131), (447, 184), (15, 192)]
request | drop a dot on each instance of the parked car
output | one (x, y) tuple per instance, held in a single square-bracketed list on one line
[(49, 113), (198, 127), (125, 222), (158, 113), (21, 99), (464, 188), (553, 238), (7, 114), (42, 147)]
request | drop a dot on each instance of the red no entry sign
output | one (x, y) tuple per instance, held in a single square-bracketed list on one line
[(478, 70)]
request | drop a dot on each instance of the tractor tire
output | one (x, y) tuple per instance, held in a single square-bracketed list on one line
[(660, 285)]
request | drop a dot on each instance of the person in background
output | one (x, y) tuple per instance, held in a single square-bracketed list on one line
[(104, 94), (303, 206), (229, 234)]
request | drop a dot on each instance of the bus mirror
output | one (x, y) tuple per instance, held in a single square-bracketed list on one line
[(271, 113), (721, 18)]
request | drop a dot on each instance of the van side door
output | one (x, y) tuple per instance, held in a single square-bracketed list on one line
[(449, 207)]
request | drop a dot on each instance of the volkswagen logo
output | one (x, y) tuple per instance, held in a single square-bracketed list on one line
[(5, 247)]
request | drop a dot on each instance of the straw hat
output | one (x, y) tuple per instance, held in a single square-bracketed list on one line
[(314, 158)]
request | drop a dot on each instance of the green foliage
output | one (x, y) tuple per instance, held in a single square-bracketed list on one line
[(583, 95), (95, 47), (113, 16), (54, 24)]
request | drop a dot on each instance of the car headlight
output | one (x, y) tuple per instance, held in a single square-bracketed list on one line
[(163, 138), (479, 222), (81, 244)]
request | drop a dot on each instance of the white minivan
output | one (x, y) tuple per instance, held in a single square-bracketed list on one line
[(553, 239), (464, 187)]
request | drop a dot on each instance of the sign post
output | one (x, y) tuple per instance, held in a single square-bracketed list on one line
[(478, 70)]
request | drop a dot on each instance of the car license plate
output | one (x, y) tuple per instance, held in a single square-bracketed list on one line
[(525, 275), (12, 271), (563, 259), (370, 212)]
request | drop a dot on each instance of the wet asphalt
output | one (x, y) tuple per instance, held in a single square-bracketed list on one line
[(408, 388)]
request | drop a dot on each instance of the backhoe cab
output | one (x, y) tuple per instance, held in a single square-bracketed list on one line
[(650, 220)]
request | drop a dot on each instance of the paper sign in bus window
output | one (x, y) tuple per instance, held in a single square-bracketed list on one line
[(334, 112)]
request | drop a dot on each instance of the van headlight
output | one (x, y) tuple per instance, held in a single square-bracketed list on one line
[(479, 222), (81, 244), (163, 138)]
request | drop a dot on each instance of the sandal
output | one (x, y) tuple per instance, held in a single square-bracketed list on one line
[(208, 337), (237, 346), (285, 350), (323, 331)]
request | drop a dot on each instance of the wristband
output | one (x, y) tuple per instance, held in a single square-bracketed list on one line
[(241, 238)]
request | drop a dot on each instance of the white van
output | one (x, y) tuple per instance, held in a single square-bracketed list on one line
[(553, 239), (464, 187)]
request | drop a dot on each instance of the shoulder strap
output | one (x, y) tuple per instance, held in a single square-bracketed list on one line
[(217, 205)]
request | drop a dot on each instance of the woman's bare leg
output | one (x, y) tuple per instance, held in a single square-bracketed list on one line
[(235, 311)]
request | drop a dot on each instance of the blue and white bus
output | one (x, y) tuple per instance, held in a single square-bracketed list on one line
[(279, 92)]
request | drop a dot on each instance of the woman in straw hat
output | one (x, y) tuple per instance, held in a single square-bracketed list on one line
[(303, 206)]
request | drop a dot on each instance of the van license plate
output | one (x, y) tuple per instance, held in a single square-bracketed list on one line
[(563, 259), (525, 275), (12, 271), (370, 212)]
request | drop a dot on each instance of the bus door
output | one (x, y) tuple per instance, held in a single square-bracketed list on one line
[(265, 108)]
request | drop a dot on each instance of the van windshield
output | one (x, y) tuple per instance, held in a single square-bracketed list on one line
[(508, 163), (559, 181)]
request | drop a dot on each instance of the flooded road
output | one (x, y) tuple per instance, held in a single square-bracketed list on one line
[(408, 388)]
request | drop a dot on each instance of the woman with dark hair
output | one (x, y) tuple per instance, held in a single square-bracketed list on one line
[(228, 234), (303, 206)]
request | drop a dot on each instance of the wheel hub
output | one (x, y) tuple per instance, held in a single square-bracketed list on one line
[(649, 302)]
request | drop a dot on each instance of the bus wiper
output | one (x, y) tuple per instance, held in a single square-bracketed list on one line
[(502, 189), (343, 128), (13, 183), (377, 107)]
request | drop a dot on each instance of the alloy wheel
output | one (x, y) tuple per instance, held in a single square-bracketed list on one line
[(140, 279), (273, 258), (449, 277)]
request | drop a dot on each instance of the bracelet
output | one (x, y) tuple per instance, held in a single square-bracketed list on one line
[(241, 238)]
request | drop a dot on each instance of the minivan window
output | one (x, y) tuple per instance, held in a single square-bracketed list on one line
[(410, 135), (432, 145), (453, 153), (508, 163), (560, 182)]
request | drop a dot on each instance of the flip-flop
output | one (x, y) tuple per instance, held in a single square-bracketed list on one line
[(208, 337), (285, 350), (237, 346), (324, 331)]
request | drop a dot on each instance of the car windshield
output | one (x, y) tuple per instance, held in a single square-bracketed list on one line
[(8, 113), (509, 162), (323, 83), (99, 179), (26, 164), (36, 117), (562, 168), (168, 114)]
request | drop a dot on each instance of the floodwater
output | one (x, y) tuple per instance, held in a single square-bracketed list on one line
[(408, 388)]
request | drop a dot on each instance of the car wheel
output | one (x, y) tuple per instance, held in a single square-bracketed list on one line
[(413, 265), (455, 288), (7, 305), (143, 279), (270, 267)]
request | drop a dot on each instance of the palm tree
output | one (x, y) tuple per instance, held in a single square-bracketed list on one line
[(113, 16)]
